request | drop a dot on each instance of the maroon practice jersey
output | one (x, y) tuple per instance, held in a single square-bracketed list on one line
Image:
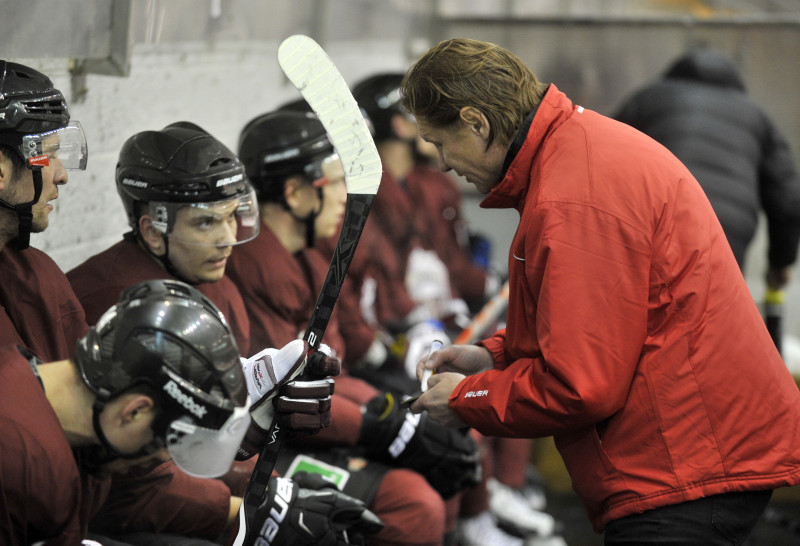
[(37, 299)]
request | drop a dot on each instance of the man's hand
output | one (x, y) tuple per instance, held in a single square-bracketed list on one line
[(436, 400), (420, 338), (778, 277), (302, 405), (307, 510), (463, 359), (447, 458)]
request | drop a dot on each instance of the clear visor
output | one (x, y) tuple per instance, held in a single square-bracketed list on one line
[(204, 452), (67, 145), (219, 224)]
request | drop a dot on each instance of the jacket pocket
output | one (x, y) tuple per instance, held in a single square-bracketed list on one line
[(594, 476)]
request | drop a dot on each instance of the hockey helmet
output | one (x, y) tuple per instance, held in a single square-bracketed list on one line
[(281, 144), (379, 96), (184, 166), (169, 339)]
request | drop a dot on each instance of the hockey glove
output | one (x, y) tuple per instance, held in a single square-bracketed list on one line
[(303, 406), (448, 458), (308, 510)]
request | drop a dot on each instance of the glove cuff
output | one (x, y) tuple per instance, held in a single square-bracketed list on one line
[(374, 434)]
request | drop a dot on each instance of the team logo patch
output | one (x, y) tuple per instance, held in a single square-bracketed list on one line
[(39, 160)]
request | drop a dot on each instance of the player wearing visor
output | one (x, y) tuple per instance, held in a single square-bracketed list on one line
[(297, 148), (182, 188), (170, 341), (280, 277), (35, 134), (158, 374), (38, 144)]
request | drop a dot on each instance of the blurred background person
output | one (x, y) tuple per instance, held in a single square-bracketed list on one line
[(701, 112)]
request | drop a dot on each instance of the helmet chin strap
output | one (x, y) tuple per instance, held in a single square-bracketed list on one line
[(308, 219), (25, 210), (168, 265), (163, 259)]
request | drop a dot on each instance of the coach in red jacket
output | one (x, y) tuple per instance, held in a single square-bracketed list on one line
[(632, 337)]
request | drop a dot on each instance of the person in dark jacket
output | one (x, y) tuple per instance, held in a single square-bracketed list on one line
[(700, 111)]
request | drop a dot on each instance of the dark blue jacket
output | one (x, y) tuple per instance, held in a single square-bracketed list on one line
[(700, 112)]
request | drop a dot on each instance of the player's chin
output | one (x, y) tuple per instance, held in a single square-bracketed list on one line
[(328, 231), (211, 274), (40, 223)]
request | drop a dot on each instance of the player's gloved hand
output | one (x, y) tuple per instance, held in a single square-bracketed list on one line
[(308, 510), (448, 458), (302, 405), (419, 339)]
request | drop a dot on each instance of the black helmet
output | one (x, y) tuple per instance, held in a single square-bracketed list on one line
[(168, 339), (29, 103), (34, 122), (379, 96), (280, 144), (179, 165)]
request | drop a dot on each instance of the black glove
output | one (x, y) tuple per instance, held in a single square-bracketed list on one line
[(448, 458), (307, 510), (303, 407)]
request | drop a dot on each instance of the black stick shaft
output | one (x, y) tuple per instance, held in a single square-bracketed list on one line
[(355, 218)]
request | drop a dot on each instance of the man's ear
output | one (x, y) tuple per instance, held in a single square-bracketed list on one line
[(151, 235), (136, 407), (290, 193), (5, 170), (475, 121)]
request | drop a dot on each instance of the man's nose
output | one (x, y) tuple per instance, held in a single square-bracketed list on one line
[(60, 175)]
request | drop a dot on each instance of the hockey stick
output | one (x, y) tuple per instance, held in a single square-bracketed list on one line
[(313, 73), (490, 312)]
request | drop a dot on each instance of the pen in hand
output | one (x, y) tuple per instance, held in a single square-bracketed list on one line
[(426, 374)]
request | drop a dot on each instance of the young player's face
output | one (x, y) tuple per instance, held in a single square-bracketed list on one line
[(334, 199), (18, 188), (462, 150), (201, 240)]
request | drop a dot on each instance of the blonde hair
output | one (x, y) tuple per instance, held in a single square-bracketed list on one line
[(463, 72)]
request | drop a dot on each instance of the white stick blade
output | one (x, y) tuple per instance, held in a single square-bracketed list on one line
[(313, 73)]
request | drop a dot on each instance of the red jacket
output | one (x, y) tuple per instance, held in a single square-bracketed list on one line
[(632, 337)]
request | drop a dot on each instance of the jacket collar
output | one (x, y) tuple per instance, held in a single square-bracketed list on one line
[(551, 112)]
